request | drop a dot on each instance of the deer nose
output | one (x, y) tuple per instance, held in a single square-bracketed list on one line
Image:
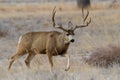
[(72, 40)]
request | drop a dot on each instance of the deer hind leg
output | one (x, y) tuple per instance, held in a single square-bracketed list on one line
[(29, 58), (13, 58)]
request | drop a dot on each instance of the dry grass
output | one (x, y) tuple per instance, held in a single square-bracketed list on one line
[(38, 9), (103, 30), (3, 32), (104, 57)]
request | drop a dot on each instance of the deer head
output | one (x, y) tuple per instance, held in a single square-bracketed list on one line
[(70, 31)]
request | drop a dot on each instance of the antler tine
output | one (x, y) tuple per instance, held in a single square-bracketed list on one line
[(84, 19), (82, 13), (53, 16), (60, 27), (70, 25), (53, 20), (89, 21)]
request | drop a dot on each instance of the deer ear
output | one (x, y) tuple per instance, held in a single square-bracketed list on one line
[(70, 25)]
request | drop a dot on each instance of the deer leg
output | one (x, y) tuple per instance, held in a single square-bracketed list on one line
[(13, 58), (29, 58), (36, 51), (68, 63), (50, 61), (50, 46)]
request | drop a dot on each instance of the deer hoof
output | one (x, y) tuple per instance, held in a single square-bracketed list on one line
[(67, 69)]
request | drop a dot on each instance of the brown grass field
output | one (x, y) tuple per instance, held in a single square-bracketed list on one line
[(104, 30)]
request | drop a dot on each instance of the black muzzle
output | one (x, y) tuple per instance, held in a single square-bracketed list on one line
[(72, 40)]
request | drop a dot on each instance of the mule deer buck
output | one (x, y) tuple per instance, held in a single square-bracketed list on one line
[(52, 43)]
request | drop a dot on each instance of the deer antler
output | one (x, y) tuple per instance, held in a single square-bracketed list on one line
[(85, 24), (53, 20), (70, 25)]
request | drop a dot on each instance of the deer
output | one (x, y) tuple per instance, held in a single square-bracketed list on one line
[(51, 43)]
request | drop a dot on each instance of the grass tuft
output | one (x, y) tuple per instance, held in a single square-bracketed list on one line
[(104, 56), (3, 32)]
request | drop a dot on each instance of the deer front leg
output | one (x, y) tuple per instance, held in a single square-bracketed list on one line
[(50, 46), (50, 60), (68, 63), (50, 49)]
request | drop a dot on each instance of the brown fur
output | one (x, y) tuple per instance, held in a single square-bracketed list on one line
[(105, 56), (40, 43)]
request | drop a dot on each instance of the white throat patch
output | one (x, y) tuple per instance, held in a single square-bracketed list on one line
[(68, 38)]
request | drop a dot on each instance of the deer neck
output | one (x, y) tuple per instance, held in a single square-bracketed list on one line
[(61, 46)]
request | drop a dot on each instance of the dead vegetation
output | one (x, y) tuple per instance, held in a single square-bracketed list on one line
[(104, 56), (37, 9), (3, 32)]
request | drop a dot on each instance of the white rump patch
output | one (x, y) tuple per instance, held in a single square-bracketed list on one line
[(19, 39)]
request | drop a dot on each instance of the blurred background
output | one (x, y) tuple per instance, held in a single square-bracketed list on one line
[(50, 1)]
